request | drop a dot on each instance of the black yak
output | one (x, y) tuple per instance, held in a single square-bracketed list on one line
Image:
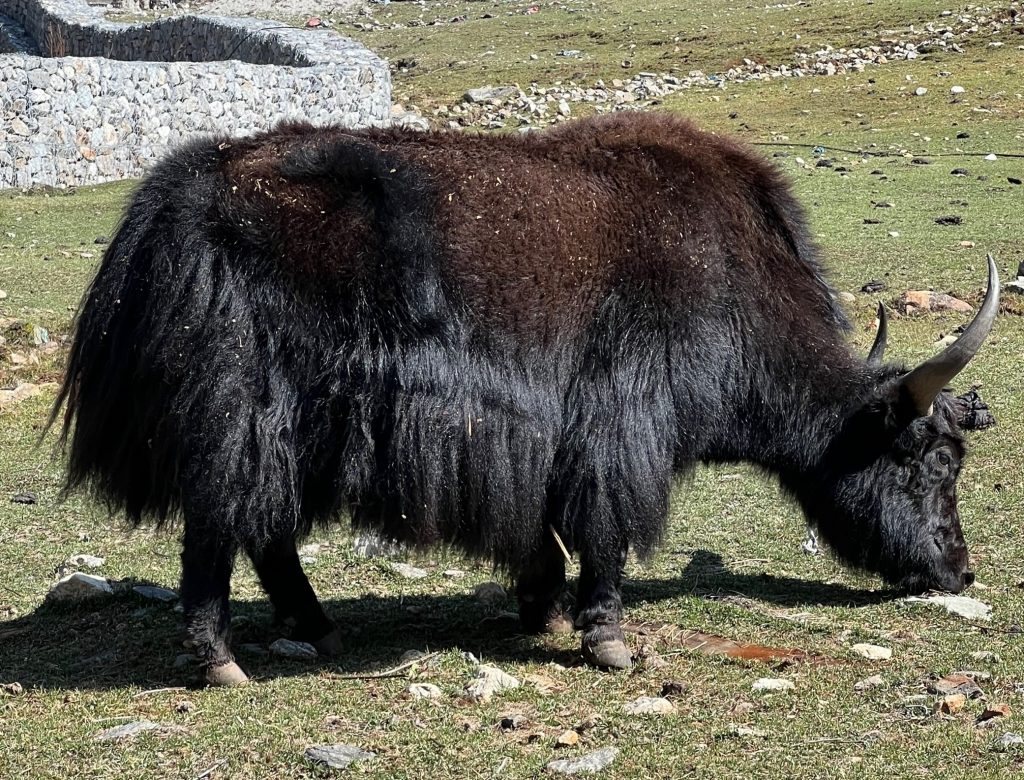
[(492, 342)]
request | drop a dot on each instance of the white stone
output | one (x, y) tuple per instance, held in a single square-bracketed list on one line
[(489, 681), (957, 90), (586, 764), (772, 685), (872, 652), (965, 606), (424, 691), (650, 705), (79, 585), (337, 756), (87, 561), (490, 593), (287, 648), (407, 571)]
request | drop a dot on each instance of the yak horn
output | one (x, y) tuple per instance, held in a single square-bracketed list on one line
[(926, 381), (881, 338)]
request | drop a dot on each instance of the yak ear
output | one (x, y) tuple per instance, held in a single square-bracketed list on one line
[(920, 387), (881, 338)]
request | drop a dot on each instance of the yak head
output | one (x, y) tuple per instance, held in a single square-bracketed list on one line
[(885, 497)]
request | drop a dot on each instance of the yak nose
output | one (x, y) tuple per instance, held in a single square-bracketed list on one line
[(968, 578)]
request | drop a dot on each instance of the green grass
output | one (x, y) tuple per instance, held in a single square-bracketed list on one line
[(731, 564)]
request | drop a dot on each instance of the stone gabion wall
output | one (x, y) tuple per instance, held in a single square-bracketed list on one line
[(106, 99)]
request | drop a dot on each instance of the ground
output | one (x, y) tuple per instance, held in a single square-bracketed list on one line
[(732, 563)]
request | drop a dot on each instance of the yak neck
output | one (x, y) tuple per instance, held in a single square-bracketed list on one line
[(790, 405)]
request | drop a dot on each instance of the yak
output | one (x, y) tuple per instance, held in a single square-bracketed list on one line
[(501, 343)]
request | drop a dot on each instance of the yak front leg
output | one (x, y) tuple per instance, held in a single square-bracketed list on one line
[(206, 565), (280, 571), (544, 604), (599, 602)]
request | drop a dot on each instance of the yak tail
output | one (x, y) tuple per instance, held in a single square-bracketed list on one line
[(174, 396)]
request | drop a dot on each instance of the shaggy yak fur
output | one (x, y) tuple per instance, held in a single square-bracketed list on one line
[(478, 341)]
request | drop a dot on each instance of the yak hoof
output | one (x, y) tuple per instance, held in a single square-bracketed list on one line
[(330, 644), (225, 675), (605, 647)]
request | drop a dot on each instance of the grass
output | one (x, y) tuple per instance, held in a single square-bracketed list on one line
[(731, 564)]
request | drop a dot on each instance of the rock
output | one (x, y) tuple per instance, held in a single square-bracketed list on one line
[(991, 157), (155, 593), (925, 300), (957, 90), (131, 730), (310, 549), (17, 394), (79, 586), (872, 652), (27, 497), (486, 94), (1007, 741), (490, 593), (563, 108), (875, 285), (407, 571), (287, 648), (568, 738), (894, 234), (959, 172), (847, 297), (965, 606), (86, 561), (337, 756), (951, 704), (673, 688), (994, 711), (588, 764), (453, 574), (771, 685), (489, 681), (920, 91), (869, 682), (512, 722), (974, 674), (987, 656), (1014, 180), (953, 684), (650, 705), (949, 219), (12, 689), (424, 691)]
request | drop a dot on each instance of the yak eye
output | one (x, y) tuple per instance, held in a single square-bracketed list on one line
[(943, 458)]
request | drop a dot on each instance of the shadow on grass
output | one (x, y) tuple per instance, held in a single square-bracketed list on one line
[(124, 640)]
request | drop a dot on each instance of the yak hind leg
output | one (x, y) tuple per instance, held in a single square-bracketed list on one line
[(545, 605), (280, 572), (205, 587)]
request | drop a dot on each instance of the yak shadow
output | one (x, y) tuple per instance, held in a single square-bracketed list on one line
[(125, 640), (707, 576)]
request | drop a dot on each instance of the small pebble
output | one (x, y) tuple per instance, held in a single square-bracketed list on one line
[(650, 705), (587, 764)]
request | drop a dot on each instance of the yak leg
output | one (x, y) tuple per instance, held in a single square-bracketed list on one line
[(599, 604), (544, 604), (205, 587), (280, 572)]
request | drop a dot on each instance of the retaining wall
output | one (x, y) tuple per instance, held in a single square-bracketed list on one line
[(84, 100)]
